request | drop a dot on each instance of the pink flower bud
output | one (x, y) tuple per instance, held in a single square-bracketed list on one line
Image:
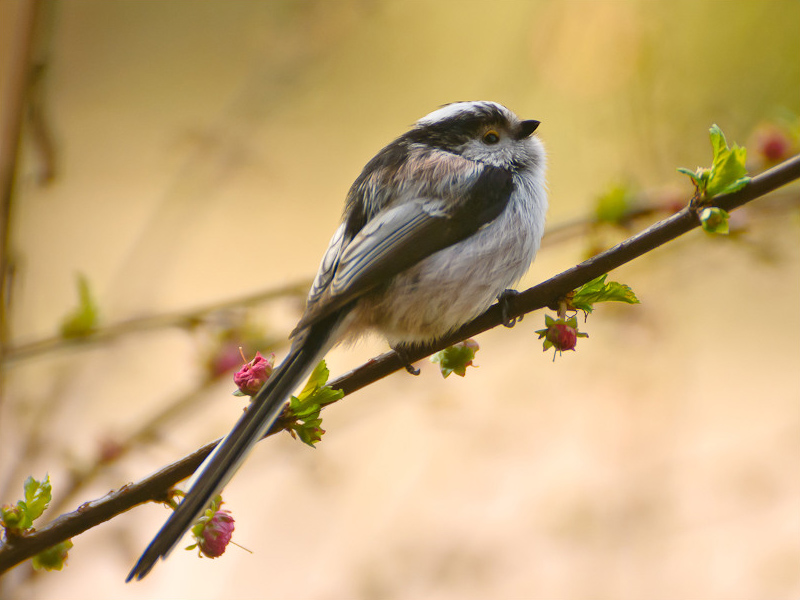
[(775, 148), (252, 375), (216, 534), (771, 144), (562, 336)]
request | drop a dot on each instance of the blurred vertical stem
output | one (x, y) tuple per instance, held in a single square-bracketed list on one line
[(11, 116)]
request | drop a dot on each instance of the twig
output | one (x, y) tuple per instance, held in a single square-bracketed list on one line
[(152, 488), (170, 412), (155, 487), (10, 134), (180, 319)]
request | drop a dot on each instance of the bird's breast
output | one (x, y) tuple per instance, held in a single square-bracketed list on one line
[(451, 287)]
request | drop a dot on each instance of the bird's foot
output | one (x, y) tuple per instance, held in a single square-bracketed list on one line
[(402, 352), (505, 300)]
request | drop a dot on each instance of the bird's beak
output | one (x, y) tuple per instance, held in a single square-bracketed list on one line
[(526, 128)]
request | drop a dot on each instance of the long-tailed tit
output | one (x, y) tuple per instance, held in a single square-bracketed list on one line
[(439, 223)]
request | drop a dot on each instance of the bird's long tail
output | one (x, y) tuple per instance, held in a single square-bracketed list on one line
[(307, 350)]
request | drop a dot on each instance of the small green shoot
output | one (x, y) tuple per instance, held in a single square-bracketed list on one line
[(728, 173), (456, 358), (304, 409), (18, 518), (714, 220), (54, 558), (82, 321)]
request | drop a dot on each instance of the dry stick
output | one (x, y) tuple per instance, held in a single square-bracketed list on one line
[(156, 486)]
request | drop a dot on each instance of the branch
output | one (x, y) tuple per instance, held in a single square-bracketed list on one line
[(122, 445), (548, 292), (90, 514), (155, 487)]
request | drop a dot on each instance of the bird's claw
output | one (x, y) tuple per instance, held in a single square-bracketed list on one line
[(504, 300), (402, 353)]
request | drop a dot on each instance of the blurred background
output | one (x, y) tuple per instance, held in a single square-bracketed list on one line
[(182, 156)]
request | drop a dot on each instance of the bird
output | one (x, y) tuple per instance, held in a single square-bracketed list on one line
[(439, 224)]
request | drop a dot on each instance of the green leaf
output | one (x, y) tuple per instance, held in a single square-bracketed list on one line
[(694, 175), (54, 558), (317, 379), (598, 290), (311, 432), (83, 320), (728, 172), (19, 518), (37, 496), (456, 358), (714, 220), (542, 333), (315, 391), (306, 406)]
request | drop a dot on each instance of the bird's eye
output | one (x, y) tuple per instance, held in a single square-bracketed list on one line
[(491, 137)]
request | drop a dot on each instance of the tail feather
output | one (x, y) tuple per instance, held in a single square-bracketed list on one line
[(228, 456)]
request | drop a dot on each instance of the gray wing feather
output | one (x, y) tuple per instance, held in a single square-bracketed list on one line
[(394, 240), (327, 267), (387, 232)]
